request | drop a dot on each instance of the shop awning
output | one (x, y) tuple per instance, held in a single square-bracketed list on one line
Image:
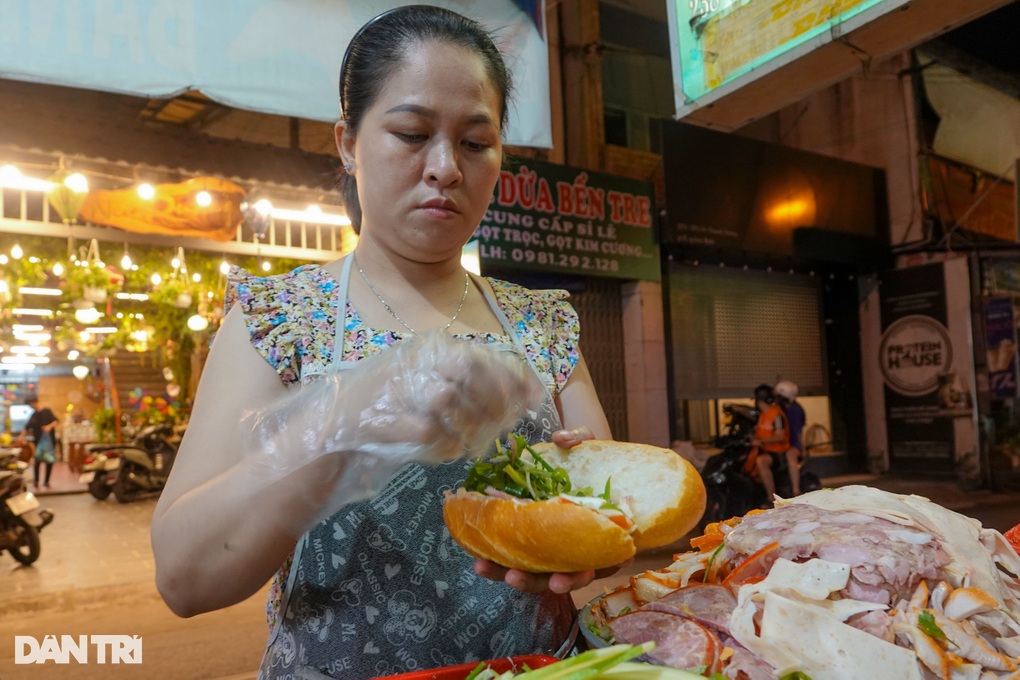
[(272, 56)]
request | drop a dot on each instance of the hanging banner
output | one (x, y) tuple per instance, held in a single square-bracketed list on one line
[(928, 369), (553, 218), (1000, 340), (264, 55)]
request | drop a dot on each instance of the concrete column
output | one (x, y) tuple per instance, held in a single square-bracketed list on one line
[(644, 347)]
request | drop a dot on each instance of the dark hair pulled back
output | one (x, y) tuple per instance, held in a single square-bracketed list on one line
[(379, 47)]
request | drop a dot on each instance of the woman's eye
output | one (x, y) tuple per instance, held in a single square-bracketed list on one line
[(411, 137), (476, 146)]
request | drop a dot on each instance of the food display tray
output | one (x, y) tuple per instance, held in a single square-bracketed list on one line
[(461, 671)]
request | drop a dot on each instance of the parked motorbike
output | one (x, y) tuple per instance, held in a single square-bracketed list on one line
[(730, 491), (21, 518), (131, 471)]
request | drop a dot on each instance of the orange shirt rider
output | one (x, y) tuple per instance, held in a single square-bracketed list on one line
[(771, 435)]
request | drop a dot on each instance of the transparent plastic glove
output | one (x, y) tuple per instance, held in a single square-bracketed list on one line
[(430, 398)]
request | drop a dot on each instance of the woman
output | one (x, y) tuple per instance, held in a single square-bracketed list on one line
[(379, 587), (42, 425)]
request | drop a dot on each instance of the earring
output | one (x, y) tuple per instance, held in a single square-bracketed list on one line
[(349, 167)]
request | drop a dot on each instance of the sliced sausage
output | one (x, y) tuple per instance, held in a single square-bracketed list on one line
[(680, 642), (707, 603)]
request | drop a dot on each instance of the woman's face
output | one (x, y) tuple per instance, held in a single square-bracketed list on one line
[(428, 153)]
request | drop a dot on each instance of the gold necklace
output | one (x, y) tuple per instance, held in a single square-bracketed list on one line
[(395, 315)]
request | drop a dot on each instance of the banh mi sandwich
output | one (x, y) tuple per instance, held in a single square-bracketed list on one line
[(545, 509), (852, 582)]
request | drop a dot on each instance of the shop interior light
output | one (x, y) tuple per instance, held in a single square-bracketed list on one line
[(16, 252), (156, 279), (32, 338), (73, 355), (266, 266), (58, 269), (137, 297), (28, 311), (224, 268), (469, 258), (263, 207), (26, 327), (12, 178), (196, 277), (125, 262), (103, 330), (81, 372), (3, 259), (310, 214), (146, 191), (203, 198), (19, 367), (25, 359), (28, 290), (30, 349)]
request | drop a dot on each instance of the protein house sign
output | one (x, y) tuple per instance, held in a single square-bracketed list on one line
[(553, 218)]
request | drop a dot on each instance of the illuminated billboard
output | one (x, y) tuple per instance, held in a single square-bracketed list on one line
[(718, 46)]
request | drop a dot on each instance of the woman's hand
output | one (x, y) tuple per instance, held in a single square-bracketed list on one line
[(527, 582), (566, 439)]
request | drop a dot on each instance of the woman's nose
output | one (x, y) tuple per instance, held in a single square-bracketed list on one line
[(443, 164)]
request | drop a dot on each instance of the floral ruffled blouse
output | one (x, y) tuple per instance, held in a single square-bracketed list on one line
[(291, 319)]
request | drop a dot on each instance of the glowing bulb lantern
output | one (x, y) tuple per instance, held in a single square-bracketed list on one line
[(203, 198), (88, 315), (68, 194), (81, 372), (146, 192), (197, 323)]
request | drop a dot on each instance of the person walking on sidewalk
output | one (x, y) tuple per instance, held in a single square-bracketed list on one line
[(41, 425)]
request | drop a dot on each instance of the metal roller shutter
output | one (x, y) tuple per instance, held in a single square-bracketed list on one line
[(734, 329), (600, 310)]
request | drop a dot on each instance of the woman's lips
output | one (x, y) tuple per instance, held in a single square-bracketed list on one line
[(439, 207)]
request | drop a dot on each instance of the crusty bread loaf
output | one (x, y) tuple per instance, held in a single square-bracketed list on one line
[(663, 490)]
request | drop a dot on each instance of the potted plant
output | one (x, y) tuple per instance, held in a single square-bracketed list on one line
[(177, 292), (90, 282), (104, 422)]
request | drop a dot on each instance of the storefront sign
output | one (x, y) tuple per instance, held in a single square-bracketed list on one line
[(928, 369), (1000, 341), (916, 352), (552, 218), (720, 45)]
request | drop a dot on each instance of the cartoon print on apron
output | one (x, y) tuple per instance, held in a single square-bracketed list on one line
[(381, 588)]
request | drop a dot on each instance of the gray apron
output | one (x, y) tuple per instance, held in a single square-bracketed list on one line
[(380, 587)]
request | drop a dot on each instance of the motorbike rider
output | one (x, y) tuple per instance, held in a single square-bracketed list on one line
[(786, 396), (771, 438)]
